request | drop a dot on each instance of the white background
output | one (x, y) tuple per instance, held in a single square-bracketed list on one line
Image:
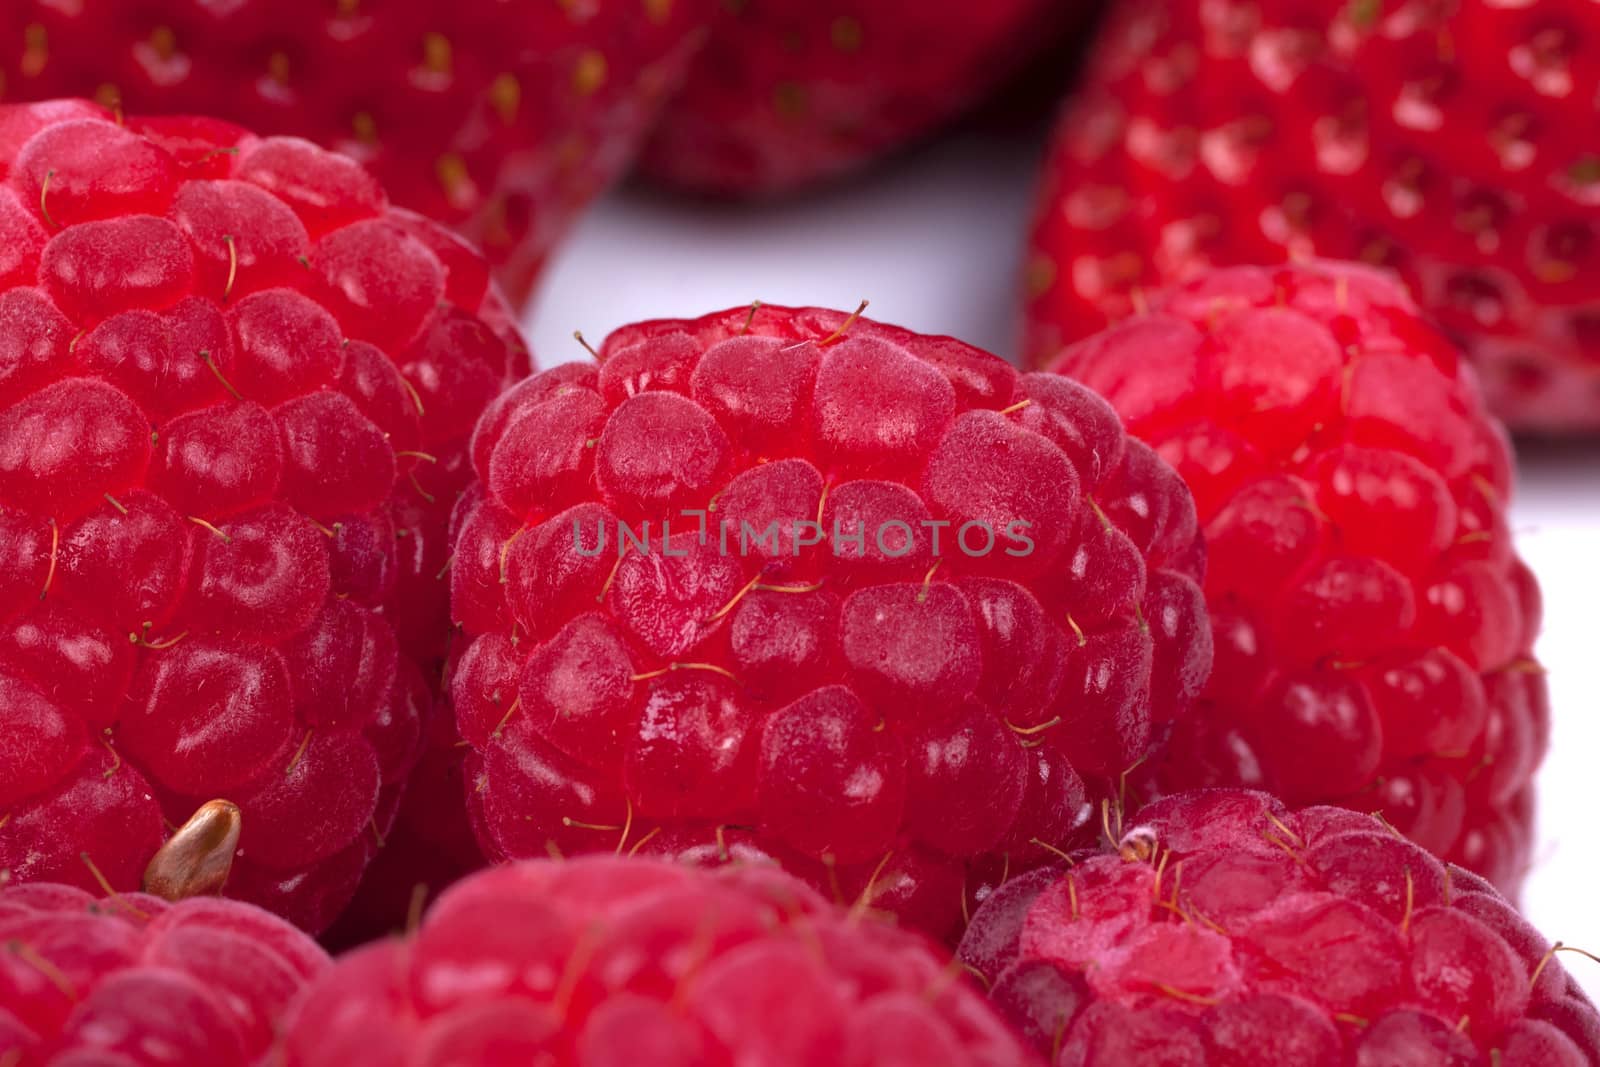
[(934, 241)]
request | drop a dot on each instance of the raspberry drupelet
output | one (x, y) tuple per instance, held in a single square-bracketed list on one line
[(1222, 928), (790, 583), (132, 981), (235, 394), (1373, 624), (1452, 143), (501, 119), (609, 961), (431, 845)]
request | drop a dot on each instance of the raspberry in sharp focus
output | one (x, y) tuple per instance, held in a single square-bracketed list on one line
[(235, 394), (131, 980), (1224, 929), (1373, 624), (1452, 142), (616, 962), (936, 610), (431, 846), (501, 119), (794, 92)]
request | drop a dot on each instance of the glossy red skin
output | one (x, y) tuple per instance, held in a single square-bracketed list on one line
[(500, 119), (223, 507), (132, 980), (606, 961), (791, 93), (1277, 132), (1374, 626), (1224, 929), (848, 711)]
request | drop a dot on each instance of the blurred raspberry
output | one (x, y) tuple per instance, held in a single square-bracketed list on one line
[(791, 93), (616, 962), (503, 120), (1452, 143)]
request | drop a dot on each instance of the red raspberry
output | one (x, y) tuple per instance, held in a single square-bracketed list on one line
[(615, 962), (792, 92), (1224, 929), (500, 119), (235, 390), (1373, 625), (844, 700), (132, 981), (1451, 142)]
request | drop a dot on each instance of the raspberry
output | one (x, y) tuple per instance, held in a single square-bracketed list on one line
[(1224, 928), (131, 980), (793, 92), (816, 667), (235, 393), (1449, 142), (502, 120), (609, 961), (1373, 624)]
